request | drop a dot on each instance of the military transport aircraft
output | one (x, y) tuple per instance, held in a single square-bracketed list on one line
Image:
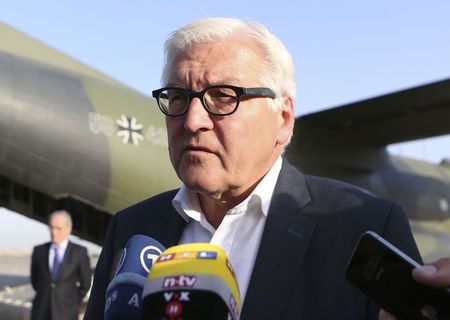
[(72, 137)]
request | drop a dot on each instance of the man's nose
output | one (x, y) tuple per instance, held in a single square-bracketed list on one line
[(197, 118)]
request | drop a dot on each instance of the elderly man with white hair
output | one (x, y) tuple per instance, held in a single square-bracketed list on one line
[(228, 97)]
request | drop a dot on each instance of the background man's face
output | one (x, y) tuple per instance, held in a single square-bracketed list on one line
[(59, 228)]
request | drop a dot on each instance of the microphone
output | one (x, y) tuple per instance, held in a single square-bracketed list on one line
[(123, 295), (191, 281)]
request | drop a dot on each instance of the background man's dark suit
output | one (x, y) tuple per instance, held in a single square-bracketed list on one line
[(311, 229), (59, 299)]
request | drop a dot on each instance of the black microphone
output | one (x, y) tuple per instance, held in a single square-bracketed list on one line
[(191, 281), (123, 296)]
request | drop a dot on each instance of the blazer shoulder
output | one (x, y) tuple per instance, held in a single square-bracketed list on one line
[(326, 192), (327, 184), (318, 188), (151, 207), (77, 246), (153, 217), (343, 196), (41, 247)]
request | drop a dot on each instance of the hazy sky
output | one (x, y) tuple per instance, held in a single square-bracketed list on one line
[(344, 51)]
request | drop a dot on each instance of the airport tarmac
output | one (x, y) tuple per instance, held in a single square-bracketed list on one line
[(14, 269), (16, 292)]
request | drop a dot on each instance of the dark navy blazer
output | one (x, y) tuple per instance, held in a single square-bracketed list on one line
[(312, 226)]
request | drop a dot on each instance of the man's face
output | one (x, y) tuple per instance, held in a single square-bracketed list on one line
[(224, 157), (59, 228)]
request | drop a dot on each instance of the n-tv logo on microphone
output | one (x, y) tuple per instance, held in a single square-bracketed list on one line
[(181, 281), (148, 256)]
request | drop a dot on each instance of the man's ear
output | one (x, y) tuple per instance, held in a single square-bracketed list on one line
[(286, 120)]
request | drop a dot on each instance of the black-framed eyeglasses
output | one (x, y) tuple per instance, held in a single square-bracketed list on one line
[(219, 100)]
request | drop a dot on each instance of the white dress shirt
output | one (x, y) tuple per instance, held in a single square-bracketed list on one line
[(240, 231)]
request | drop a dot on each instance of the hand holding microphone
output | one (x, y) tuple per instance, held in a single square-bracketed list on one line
[(191, 281), (123, 296)]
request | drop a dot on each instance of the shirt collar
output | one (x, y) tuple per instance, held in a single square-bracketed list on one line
[(62, 246), (188, 207)]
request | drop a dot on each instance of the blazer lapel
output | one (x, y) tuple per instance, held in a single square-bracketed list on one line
[(45, 258), (283, 245), (168, 228)]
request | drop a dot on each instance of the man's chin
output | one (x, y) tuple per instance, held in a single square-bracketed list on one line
[(199, 187), (205, 185)]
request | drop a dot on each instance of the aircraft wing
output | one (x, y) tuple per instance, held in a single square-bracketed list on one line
[(406, 115)]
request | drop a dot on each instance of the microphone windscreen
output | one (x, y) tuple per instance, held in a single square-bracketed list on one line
[(124, 292), (191, 281), (123, 297), (139, 254)]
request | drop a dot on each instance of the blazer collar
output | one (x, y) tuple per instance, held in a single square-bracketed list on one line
[(283, 246)]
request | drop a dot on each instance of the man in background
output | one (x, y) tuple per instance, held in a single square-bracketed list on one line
[(60, 273)]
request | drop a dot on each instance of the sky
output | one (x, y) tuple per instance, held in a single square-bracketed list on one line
[(344, 51)]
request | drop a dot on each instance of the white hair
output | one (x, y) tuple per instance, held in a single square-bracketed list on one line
[(62, 213), (278, 73)]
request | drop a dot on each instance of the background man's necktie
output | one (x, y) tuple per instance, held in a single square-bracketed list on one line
[(56, 263)]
